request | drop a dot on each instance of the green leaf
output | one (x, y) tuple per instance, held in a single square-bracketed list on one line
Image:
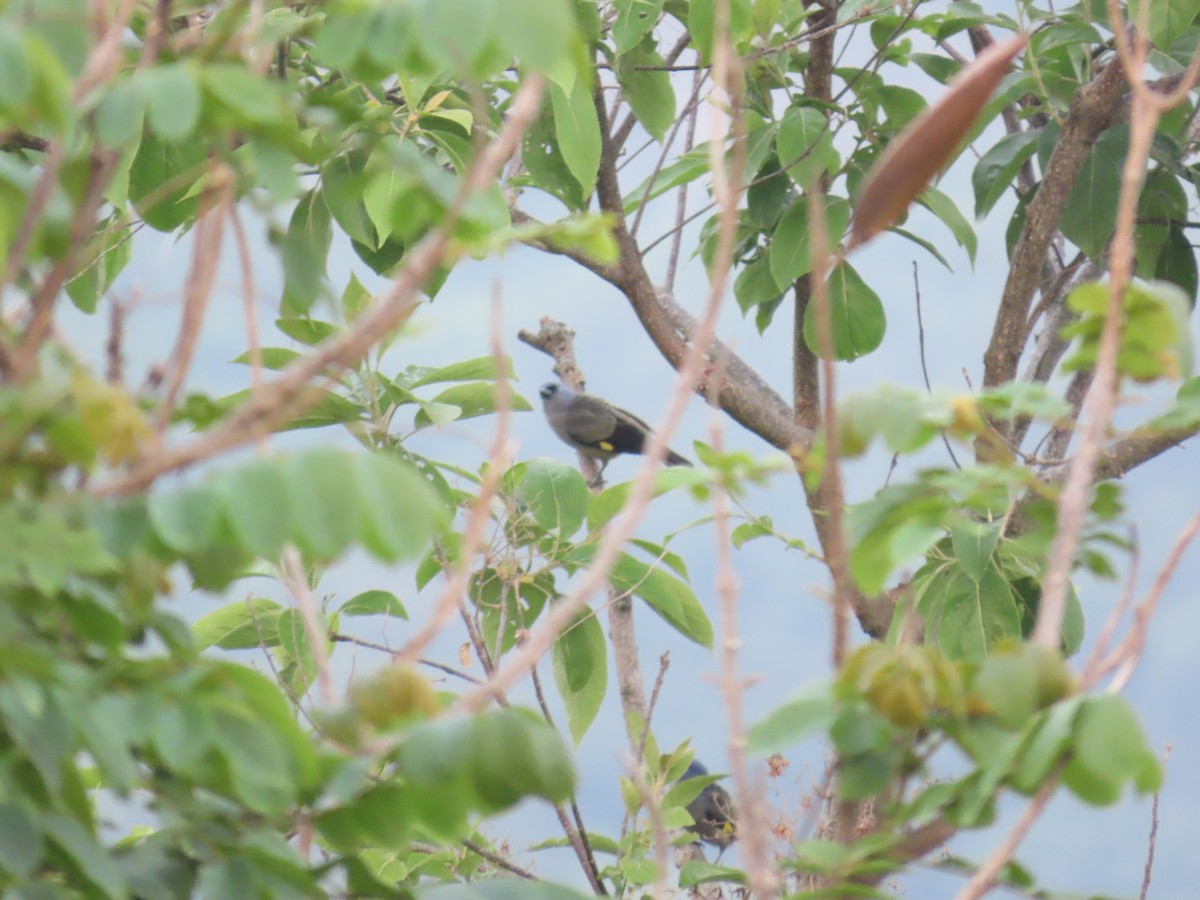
[(258, 506), (755, 286), (185, 520), (541, 34), (974, 543), (648, 92), (324, 486), (556, 495), (977, 615), (374, 603), (293, 639), (255, 101), (805, 145), (401, 509), (1091, 214), (577, 130), (161, 179), (473, 399), (119, 114), (511, 755), (701, 21), (477, 369), (671, 598), (16, 73), (996, 170), (21, 845), (635, 19), (1008, 683), (1168, 19), (684, 170), (547, 168), (696, 871), (1176, 263), (605, 506), (1049, 740), (812, 710), (240, 625), (342, 184), (581, 671), (1109, 740), (857, 316), (304, 249), (172, 99), (96, 866), (946, 210), (108, 253), (791, 244)]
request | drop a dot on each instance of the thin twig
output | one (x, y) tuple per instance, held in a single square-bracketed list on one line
[(924, 367), (689, 141), (1093, 668), (752, 823), (981, 882), (206, 253), (1129, 653), (291, 570), (498, 860), (383, 648), (1153, 834)]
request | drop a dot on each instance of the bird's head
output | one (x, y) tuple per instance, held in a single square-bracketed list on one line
[(554, 393), (695, 770)]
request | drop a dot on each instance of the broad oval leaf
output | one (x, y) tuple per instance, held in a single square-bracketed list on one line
[(856, 314), (580, 658)]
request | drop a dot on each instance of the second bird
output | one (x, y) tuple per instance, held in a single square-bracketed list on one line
[(595, 427)]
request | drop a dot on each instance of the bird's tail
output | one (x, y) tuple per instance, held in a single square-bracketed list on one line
[(674, 459)]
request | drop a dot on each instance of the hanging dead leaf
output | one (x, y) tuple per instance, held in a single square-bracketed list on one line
[(919, 152)]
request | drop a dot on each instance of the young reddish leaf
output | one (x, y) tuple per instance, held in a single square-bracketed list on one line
[(918, 153)]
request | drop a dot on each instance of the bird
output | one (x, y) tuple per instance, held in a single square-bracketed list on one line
[(595, 427), (712, 809)]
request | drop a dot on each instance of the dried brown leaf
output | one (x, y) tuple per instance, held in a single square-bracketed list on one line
[(919, 152)]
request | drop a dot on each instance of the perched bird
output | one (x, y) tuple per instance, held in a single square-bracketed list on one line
[(716, 819), (595, 427)]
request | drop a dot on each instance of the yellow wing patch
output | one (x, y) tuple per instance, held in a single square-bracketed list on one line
[(605, 446)]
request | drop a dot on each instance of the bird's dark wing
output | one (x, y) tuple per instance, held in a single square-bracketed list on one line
[(629, 435)]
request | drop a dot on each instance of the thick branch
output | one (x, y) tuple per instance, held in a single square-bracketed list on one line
[(1093, 109)]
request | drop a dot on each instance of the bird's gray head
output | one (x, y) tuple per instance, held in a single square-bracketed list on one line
[(695, 770), (554, 394)]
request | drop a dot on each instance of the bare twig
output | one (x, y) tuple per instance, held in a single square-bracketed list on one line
[(498, 860), (1129, 653), (291, 570), (1153, 835), (248, 299), (753, 826), (921, 352), (206, 253), (1093, 668), (689, 140), (981, 882)]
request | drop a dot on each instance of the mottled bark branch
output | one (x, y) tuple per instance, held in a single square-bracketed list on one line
[(1093, 109)]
